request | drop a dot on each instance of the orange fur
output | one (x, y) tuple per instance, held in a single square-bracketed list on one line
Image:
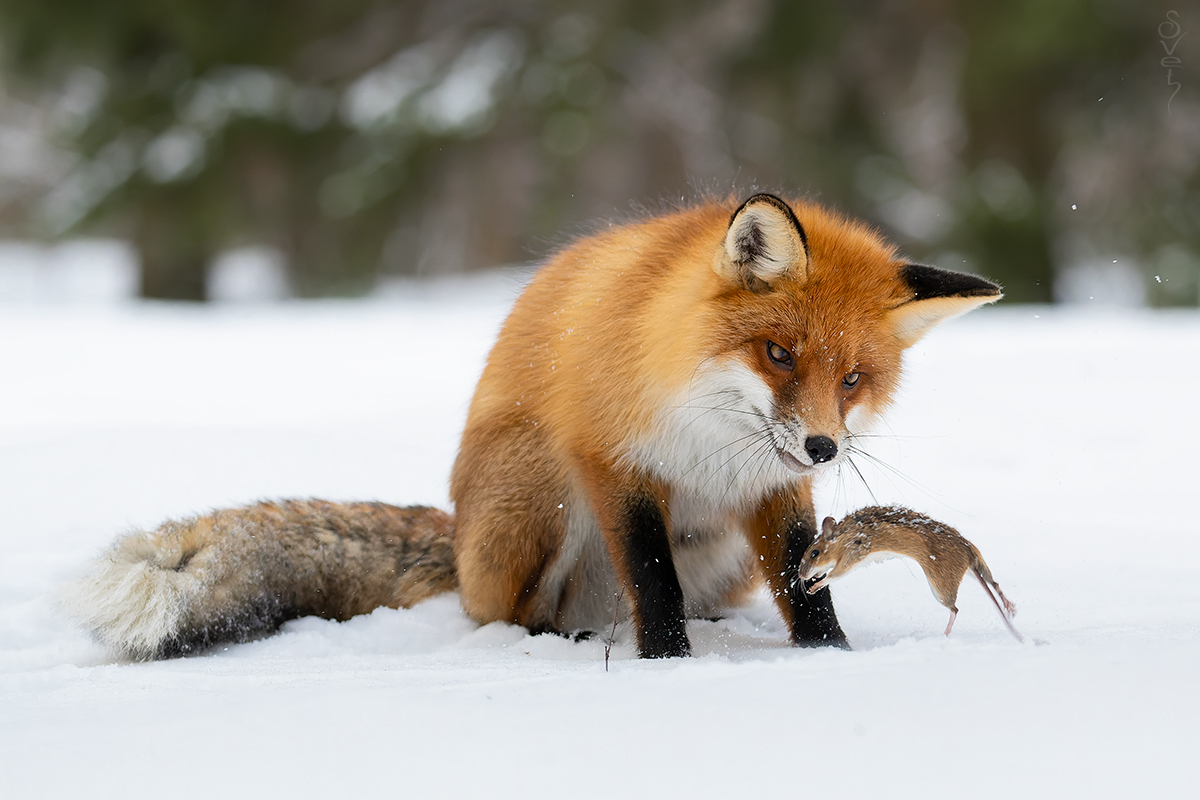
[(643, 442), (579, 395)]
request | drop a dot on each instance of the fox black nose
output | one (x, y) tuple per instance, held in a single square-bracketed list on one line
[(820, 449)]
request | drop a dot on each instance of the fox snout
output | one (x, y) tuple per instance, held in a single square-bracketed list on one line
[(820, 449)]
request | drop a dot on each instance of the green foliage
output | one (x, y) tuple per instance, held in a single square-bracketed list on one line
[(367, 138)]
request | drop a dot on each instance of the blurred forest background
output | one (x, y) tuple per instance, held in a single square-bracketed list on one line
[(1054, 146)]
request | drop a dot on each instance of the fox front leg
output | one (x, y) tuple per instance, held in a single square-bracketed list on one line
[(636, 534), (779, 532), (814, 622)]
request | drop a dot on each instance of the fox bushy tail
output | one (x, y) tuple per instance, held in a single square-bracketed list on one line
[(235, 574)]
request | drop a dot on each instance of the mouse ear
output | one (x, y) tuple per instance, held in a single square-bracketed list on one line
[(827, 527)]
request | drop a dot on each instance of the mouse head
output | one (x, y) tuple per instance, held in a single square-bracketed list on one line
[(836, 550)]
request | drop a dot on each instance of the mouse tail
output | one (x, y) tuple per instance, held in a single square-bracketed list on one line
[(1003, 604)]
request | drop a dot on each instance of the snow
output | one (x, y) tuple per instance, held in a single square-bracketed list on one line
[(1061, 441)]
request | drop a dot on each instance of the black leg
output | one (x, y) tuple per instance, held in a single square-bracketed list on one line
[(653, 584), (815, 623)]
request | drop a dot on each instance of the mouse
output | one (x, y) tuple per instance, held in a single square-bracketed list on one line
[(879, 532)]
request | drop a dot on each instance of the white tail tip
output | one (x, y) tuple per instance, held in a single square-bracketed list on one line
[(129, 599)]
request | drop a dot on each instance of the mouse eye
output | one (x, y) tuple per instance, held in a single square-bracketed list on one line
[(779, 355), (814, 554)]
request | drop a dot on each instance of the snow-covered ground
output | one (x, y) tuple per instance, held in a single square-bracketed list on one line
[(1063, 443)]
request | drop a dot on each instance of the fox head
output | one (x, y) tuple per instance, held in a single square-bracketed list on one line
[(814, 312)]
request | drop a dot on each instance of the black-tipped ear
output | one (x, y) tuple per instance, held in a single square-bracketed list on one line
[(764, 242), (927, 283), (937, 295)]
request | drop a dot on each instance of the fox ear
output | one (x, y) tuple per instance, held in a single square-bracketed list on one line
[(764, 242), (937, 295)]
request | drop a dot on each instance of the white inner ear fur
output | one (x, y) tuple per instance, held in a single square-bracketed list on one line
[(912, 321), (764, 244)]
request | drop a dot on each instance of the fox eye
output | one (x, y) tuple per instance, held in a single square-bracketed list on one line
[(851, 380), (779, 355)]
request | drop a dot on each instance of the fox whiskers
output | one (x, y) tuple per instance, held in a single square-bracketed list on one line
[(854, 449), (850, 452)]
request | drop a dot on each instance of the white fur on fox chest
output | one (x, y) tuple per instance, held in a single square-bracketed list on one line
[(714, 440), (712, 447), (711, 556)]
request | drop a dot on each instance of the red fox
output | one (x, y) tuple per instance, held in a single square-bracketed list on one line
[(647, 427)]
